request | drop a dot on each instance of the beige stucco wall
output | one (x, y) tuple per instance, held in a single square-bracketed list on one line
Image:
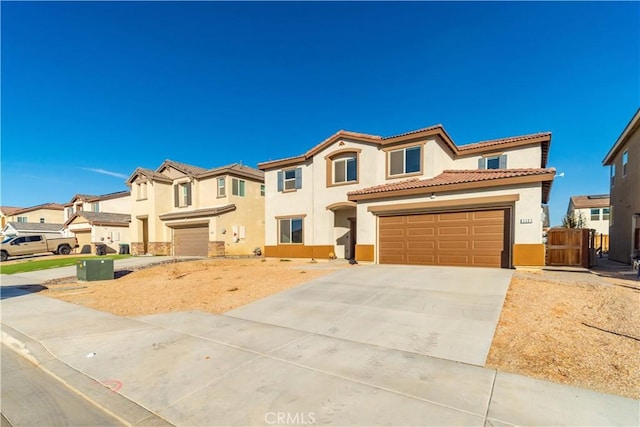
[(51, 216), (517, 158), (625, 199)]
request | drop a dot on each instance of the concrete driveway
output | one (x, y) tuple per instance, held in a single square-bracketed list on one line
[(445, 312)]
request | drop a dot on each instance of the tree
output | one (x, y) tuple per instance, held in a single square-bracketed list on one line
[(571, 220)]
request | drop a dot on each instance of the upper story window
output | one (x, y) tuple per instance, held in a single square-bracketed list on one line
[(605, 214), (142, 190), (345, 169), (95, 207), (262, 189), (595, 214), (613, 174), (222, 187), (405, 161), (237, 187), (182, 194), (41, 220), (290, 179), (493, 162), (625, 160), (22, 219), (69, 212)]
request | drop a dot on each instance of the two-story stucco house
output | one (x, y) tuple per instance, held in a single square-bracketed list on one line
[(414, 198), (594, 209), (46, 218), (100, 219), (624, 161), (181, 209)]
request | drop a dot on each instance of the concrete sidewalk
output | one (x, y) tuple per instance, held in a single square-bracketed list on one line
[(202, 369)]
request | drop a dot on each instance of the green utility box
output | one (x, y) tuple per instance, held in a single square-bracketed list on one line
[(95, 269)]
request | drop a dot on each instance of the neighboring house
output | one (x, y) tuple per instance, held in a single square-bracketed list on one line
[(24, 228), (5, 214), (414, 198), (91, 228), (181, 209), (100, 219), (46, 213), (624, 161), (594, 210)]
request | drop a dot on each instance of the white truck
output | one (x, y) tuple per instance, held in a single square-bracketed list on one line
[(36, 244)]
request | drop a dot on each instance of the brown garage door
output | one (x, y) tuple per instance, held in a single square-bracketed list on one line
[(470, 238), (192, 241), (84, 242)]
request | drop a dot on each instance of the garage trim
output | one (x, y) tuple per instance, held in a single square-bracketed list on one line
[(445, 205)]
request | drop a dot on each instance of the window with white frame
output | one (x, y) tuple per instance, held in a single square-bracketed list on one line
[(613, 174), (345, 169), (493, 162), (237, 187), (595, 214), (262, 190), (22, 219), (222, 187), (41, 220), (290, 179), (625, 161), (605, 214), (290, 230), (182, 194), (95, 207), (405, 160)]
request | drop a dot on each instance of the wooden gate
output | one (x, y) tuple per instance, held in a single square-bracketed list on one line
[(568, 247)]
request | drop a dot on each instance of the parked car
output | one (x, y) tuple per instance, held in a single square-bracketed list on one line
[(35, 244)]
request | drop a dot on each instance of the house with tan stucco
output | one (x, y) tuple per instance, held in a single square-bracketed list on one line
[(623, 160), (45, 218), (413, 198), (98, 220), (593, 209), (180, 209)]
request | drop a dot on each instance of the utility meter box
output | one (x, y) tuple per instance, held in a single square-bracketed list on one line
[(94, 269)]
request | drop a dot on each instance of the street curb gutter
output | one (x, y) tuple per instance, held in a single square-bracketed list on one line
[(124, 410)]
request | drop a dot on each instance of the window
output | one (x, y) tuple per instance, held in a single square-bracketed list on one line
[(19, 240), (34, 238), (345, 169), (493, 162), (605, 214), (291, 230), (95, 207), (613, 174), (405, 161), (290, 179), (22, 219), (262, 190), (41, 220), (625, 160), (69, 212), (595, 214), (142, 190), (222, 189), (237, 187), (182, 194)]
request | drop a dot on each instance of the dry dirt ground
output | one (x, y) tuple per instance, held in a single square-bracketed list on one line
[(574, 328)]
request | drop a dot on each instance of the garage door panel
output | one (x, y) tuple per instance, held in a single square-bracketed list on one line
[(471, 238), (192, 241)]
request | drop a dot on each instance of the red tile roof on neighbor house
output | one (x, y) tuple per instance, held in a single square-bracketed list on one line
[(593, 201), (454, 177), (50, 206), (9, 210)]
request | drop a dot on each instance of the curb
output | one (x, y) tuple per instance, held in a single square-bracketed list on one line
[(118, 406)]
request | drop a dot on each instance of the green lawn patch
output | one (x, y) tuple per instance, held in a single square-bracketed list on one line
[(44, 264)]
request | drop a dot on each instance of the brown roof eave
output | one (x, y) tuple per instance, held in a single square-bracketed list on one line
[(274, 164), (455, 187), (198, 213), (232, 172)]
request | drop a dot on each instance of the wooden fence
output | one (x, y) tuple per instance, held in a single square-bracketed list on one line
[(568, 247)]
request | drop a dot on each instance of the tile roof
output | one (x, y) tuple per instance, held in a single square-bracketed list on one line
[(35, 226), (453, 177), (9, 210), (104, 217), (198, 213), (51, 206), (188, 169), (428, 128), (234, 167), (593, 201), (500, 141)]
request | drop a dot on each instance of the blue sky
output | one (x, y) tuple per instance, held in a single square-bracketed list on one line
[(92, 90)]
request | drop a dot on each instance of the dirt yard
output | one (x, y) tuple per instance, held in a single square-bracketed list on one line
[(574, 328), (215, 285)]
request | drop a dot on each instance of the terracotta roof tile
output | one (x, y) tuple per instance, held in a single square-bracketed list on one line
[(593, 201), (414, 131), (482, 144), (453, 177), (9, 210), (51, 206)]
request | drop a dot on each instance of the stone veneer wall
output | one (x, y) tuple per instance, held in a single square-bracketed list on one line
[(216, 249), (137, 248), (159, 248)]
